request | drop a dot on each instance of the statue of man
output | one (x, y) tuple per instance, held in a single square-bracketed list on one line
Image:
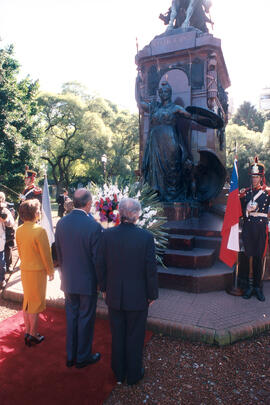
[(186, 13)]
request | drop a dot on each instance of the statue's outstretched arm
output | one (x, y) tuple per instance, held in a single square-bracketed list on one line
[(142, 105), (184, 113)]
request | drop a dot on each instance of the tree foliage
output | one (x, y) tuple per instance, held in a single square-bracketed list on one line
[(70, 131), (249, 144), (249, 130), (62, 117), (248, 116), (19, 130), (79, 129)]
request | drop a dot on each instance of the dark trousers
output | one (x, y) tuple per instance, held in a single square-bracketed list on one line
[(257, 271), (128, 331), (80, 315), (8, 256)]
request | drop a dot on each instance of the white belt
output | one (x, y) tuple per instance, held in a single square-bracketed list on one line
[(258, 214)]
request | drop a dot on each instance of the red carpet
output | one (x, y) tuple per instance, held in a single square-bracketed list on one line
[(38, 375)]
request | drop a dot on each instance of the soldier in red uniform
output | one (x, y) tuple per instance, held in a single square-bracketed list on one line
[(30, 191), (255, 202)]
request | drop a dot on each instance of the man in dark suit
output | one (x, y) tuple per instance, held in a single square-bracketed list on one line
[(61, 202), (76, 241), (127, 275)]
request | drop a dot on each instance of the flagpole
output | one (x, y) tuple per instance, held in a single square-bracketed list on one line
[(234, 290)]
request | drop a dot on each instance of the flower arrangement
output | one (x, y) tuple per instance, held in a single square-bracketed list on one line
[(105, 209)]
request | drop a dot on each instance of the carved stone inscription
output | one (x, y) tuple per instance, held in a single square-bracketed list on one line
[(173, 43)]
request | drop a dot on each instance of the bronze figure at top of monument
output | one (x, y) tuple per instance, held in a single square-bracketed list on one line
[(188, 13)]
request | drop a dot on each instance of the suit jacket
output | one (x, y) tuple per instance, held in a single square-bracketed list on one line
[(76, 240), (126, 267)]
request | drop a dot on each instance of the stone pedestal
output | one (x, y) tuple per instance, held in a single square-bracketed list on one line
[(177, 211), (193, 64)]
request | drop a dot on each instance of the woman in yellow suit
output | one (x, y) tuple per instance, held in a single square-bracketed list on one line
[(36, 264)]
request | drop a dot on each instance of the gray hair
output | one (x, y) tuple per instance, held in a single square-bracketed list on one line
[(129, 210), (81, 197)]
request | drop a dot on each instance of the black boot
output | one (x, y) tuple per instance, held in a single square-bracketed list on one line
[(249, 291), (259, 294)]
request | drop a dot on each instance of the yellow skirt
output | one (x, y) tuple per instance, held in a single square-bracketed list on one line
[(34, 289)]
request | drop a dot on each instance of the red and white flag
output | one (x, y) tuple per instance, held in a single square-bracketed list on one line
[(230, 230)]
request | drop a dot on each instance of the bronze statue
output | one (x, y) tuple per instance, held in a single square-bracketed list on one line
[(167, 162), (186, 13), (165, 153)]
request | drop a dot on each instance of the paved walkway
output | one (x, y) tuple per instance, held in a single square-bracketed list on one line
[(215, 318)]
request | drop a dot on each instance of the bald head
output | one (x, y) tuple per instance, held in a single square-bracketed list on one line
[(129, 210), (82, 199)]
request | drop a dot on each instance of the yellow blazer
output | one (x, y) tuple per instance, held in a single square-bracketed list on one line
[(33, 248), (36, 263)]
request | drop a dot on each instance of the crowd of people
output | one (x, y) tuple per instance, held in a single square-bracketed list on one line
[(120, 262)]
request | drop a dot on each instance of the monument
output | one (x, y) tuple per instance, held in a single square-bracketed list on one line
[(183, 106)]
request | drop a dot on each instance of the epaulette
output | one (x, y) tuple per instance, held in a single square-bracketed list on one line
[(37, 191)]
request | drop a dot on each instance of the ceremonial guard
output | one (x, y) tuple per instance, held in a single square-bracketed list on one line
[(31, 190), (255, 202)]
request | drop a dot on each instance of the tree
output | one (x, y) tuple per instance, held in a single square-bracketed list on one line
[(248, 116), (62, 116), (124, 151), (19, 130), (78, 129), (264, 155), (123, 147), (71, 133), (249, 144)]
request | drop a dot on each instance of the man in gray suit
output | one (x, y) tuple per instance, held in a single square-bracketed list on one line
[(127, 275), (76, 240)]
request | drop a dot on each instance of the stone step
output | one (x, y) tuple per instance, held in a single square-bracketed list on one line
[(207, 224), (205, 242), (182, 242), (193, 259), (216, 278), (189, 242)]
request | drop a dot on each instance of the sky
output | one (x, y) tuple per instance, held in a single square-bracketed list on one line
[(94, 42)]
